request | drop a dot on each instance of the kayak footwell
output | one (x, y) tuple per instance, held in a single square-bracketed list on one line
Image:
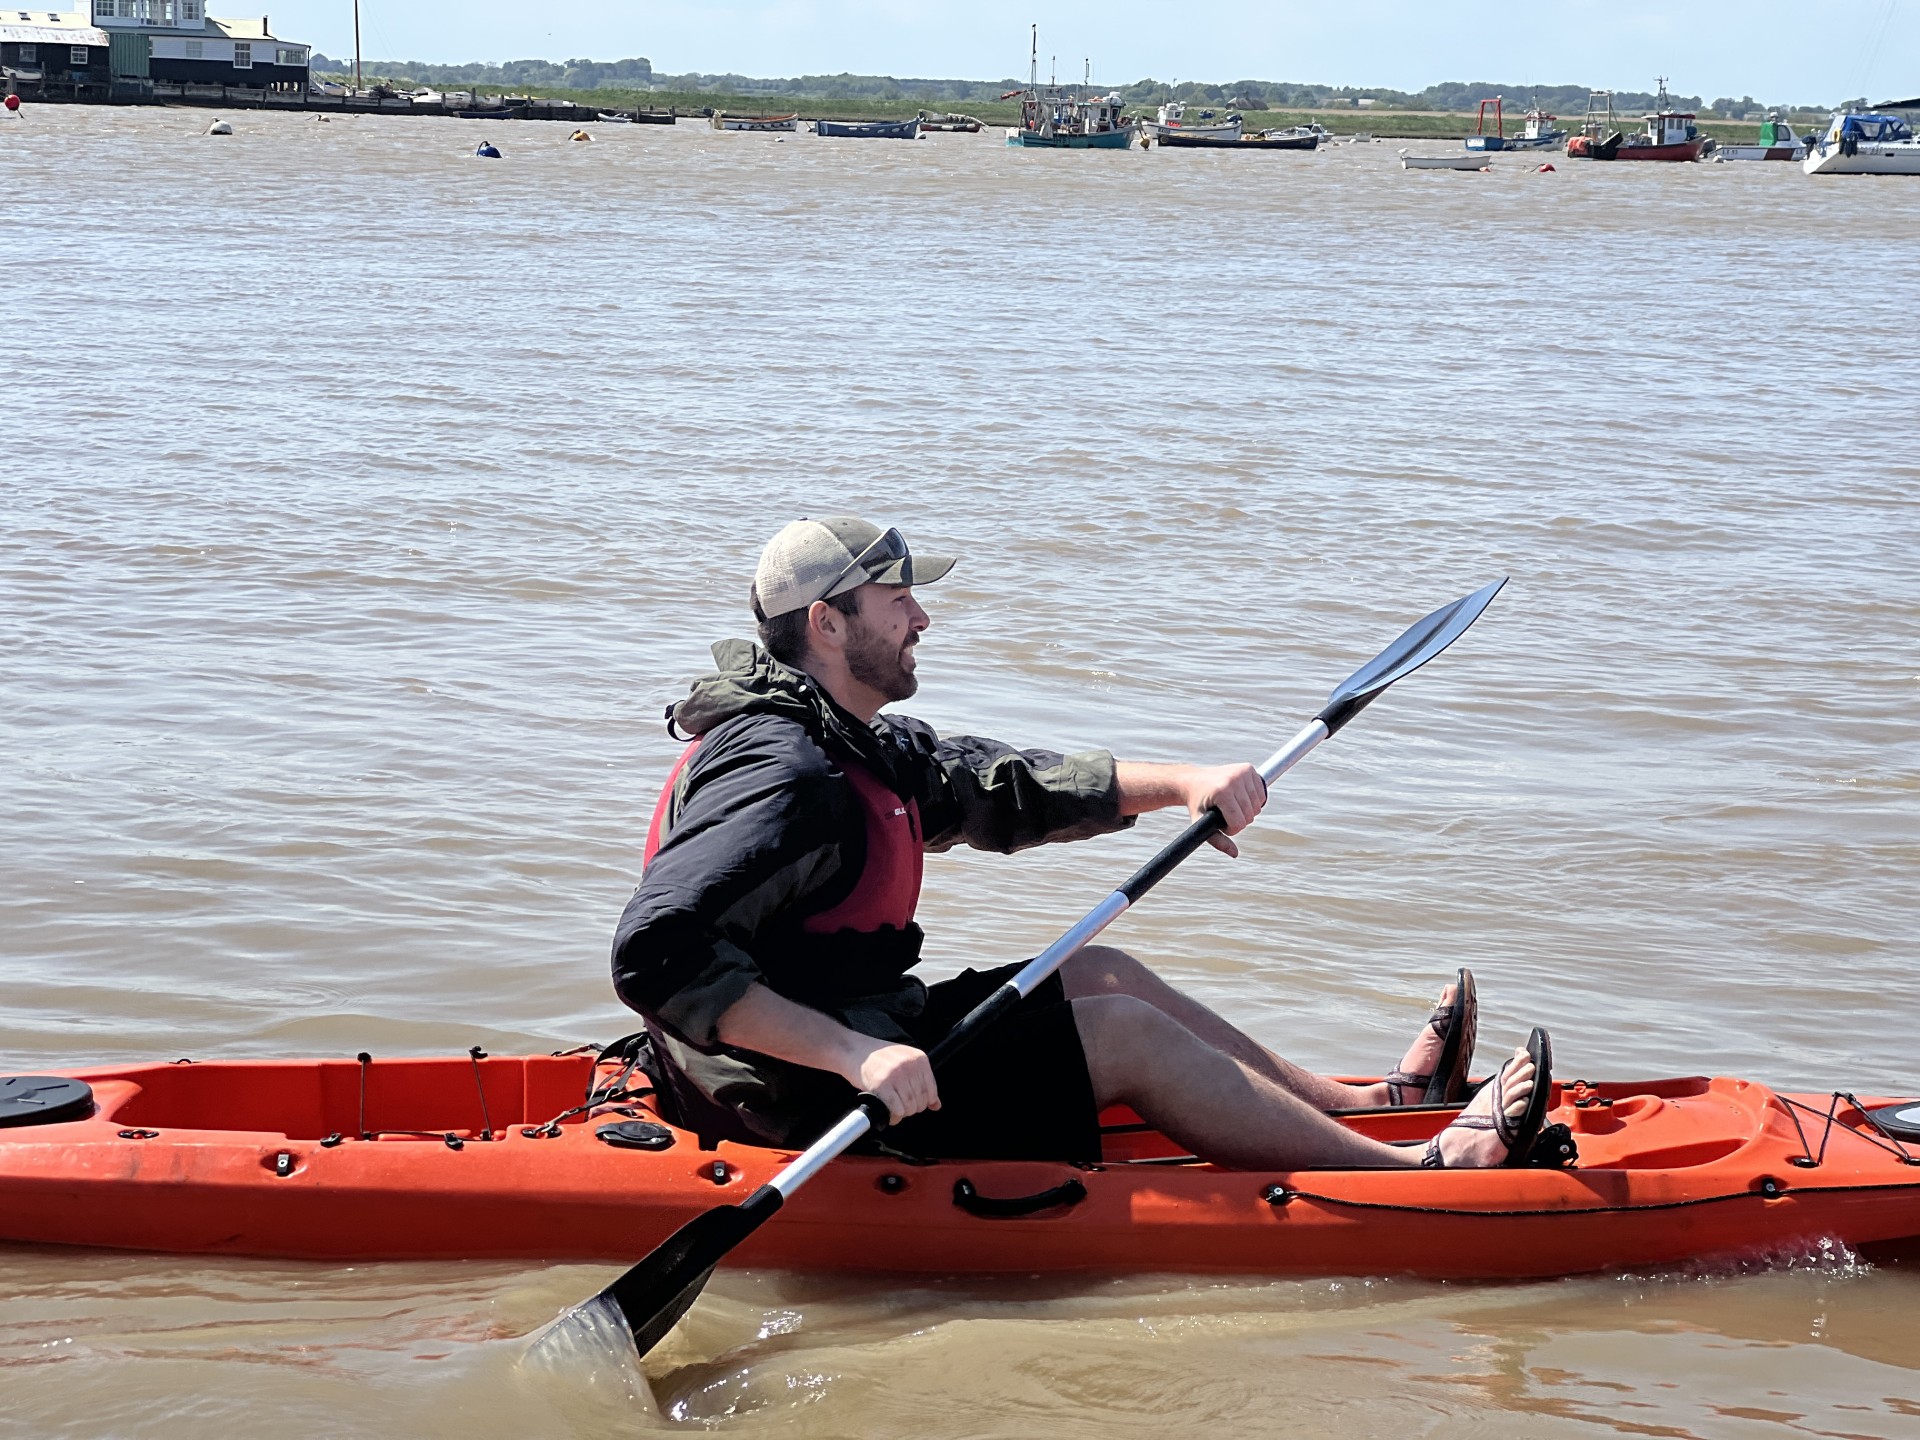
[(460, 1157)]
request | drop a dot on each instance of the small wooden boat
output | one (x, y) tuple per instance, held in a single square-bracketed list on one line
[(867, 129), (756, 124), (1295, 138), (1465, 160)]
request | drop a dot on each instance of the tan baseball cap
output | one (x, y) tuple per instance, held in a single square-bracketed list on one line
[(813, 560)]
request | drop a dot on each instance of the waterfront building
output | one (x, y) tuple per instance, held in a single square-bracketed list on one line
[(175, 42), (48, 52)]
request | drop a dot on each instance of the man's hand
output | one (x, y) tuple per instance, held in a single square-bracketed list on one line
[(1236, 791), (899, 1074)]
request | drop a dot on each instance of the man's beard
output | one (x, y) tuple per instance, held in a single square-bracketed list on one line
[(878, 665)]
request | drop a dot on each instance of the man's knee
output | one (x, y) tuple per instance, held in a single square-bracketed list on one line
[(1128, 1044), (1124, 1028), (1102, 970)]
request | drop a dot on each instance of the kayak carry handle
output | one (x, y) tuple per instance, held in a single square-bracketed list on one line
[(1063, 1196)]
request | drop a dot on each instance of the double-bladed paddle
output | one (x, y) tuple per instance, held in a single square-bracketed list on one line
[(655, 1293)]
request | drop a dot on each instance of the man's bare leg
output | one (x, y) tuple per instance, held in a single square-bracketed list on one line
[(1103, 970), (1227, 1112)]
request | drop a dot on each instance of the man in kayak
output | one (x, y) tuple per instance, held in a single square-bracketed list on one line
[(770, 940)]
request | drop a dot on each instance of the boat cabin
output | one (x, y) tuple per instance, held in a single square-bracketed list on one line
[(1672, 127), (1865, 129), (1540, 126), (1054, 110)]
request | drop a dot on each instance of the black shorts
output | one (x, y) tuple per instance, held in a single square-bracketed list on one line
[(1019, 1091)]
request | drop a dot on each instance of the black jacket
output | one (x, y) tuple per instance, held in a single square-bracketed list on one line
[(764, 830)]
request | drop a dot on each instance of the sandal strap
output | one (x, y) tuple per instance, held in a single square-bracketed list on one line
[(1399, 1081)]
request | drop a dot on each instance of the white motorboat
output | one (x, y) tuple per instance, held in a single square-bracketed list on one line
[(1864, 144), (1777, 142), (1203, 126), (1462, 160)]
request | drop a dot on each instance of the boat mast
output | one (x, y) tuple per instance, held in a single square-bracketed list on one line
[(356, 46), (1033, 60)]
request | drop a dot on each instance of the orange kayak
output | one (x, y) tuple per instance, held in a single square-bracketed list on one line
[(475, 1157)]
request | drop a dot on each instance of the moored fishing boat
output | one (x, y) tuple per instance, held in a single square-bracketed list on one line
[(868, 129), (563, 1156), (1777, 142), (1173, 127), (1599, 137), (1540, 132), (1862, 143), (1669, 135), (756, 124), (1059, 117)]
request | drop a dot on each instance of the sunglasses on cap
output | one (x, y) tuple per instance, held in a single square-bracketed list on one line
[(889, 549)]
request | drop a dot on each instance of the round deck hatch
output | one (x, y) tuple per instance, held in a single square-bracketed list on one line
[(1902, 1120), (43, 1099)]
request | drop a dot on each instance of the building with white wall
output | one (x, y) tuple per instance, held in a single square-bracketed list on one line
[(177, 42)]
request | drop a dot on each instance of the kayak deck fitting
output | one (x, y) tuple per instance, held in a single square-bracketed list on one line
[(470, 1157)]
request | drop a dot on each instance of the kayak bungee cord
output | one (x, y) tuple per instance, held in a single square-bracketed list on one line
[(650, 1297)]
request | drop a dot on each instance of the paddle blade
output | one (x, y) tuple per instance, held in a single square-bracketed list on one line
[(1423, 640), (652, 1296)]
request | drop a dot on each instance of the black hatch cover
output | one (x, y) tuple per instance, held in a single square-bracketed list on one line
[(1902, 1120), (43, 1099)]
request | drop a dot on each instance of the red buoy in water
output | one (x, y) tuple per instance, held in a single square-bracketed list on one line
[(1546, 170), (13, 102)]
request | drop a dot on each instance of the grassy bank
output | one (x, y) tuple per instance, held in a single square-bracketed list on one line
[(1386, 124)]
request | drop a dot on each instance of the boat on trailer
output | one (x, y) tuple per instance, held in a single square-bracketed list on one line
[(867, 129), (565, 1156), (1865, 143)]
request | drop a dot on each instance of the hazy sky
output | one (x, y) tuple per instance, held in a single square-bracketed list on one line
[(1806, 50)]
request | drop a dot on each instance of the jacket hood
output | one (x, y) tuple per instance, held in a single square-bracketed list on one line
[(746, 681)]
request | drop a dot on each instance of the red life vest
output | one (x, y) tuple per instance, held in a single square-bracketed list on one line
[(888, 890)]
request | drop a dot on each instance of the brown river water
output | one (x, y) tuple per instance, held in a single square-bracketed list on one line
[(363, 503)]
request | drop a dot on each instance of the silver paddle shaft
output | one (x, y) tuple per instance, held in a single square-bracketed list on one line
[(809, 1162)]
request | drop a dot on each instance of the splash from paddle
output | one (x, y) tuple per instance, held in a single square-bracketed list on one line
[(650, 1298)]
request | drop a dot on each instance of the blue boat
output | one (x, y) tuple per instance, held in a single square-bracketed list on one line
[(868, 129)]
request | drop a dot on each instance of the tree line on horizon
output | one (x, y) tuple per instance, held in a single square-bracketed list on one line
[(637, 73)]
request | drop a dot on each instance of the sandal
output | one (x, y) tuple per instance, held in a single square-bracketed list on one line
[(1517, 1122), (1457, 1023)]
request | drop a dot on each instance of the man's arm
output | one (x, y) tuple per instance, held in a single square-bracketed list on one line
[(1236, 791), (770, 1023)]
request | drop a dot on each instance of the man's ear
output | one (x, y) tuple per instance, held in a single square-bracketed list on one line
[(826, 625)]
